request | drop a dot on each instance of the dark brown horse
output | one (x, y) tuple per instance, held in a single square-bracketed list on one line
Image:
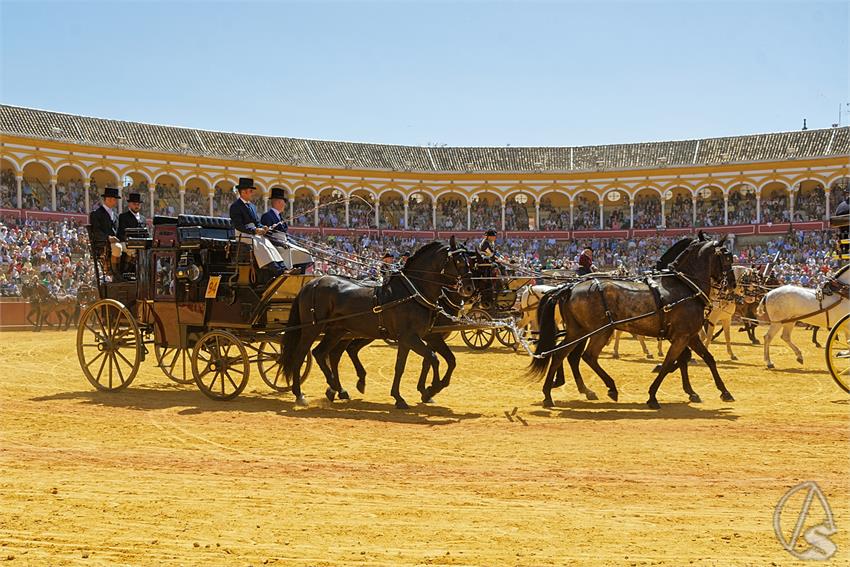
[(405, 309), (593, 309)]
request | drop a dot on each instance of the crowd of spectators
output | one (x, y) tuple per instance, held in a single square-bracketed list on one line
[(742, 208), (774, 208), (451, 213), (518, 216), (647, 211), (54, 253), (420, 212), (585, 213)]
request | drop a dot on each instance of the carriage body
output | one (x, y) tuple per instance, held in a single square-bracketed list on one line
[(195, 296)]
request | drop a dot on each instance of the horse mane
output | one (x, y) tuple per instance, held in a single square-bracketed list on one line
[(673, 252), (694, 244), (424, 251)]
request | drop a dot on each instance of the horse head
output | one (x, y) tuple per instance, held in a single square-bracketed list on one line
[(708, 260)]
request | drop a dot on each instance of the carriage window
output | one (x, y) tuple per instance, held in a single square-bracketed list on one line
[(164, 275)]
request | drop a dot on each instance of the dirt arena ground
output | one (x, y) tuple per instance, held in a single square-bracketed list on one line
[(158, 474)]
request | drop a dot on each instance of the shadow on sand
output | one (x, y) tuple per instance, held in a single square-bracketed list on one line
[(194, 403), (602, 411)]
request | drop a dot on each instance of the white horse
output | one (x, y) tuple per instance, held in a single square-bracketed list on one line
[(616, 337), (529, 299), (785, 305)]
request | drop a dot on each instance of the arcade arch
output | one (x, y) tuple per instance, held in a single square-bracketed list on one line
[(710, 206), (36, 194), (70, 195), (586, 210), (647, 208), (679, 207), (392, 209), (554, 211), (520, 212), (485, 211), (775, 203), (452, 209), (742, 204), (616, 210)]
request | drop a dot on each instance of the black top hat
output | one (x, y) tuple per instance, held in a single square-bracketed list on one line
[(245, 183), (111, 192), (491, 232), (278, 193), (134, 198)]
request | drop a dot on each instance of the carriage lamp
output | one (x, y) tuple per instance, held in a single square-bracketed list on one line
[(189, 272)]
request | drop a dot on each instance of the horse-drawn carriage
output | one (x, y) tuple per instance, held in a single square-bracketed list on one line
[(193, 293), (838, 340), (496, 303)]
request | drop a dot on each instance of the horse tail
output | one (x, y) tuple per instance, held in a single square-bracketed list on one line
[(290, 341), (548, 333), (761, 311)]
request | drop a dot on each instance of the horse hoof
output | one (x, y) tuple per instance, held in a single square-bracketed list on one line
[(756, 342), (770, 365), (301, 401), (613, 394), (649, 356), (330, 394), (653, 404), (657, 368), (361, 386), (343, 395), (800, 360), (558, 383), (727, 397), (401, 404), (548, 403), (694, 398), (427, 399), (734, 357), (591, 395)]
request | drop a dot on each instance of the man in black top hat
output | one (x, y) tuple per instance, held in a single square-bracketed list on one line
[(387, 262), (132, 217), (250, 230), (274, 217), (104, 227)]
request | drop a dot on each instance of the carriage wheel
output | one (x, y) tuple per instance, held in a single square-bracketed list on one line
[(109, 345), (478, 339), (838, 353), (220, 365), (175, 362), (506, 336), (268, 362)]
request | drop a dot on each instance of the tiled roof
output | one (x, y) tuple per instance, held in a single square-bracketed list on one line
[(27, 122)]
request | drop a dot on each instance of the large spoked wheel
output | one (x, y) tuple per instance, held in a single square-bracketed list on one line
[(268, 363), (505, 336), (109, 345), (838, 353), (175, 362), (478, 339), (220, 365)]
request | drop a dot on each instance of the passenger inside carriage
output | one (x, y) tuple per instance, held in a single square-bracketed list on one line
[(251, 231)]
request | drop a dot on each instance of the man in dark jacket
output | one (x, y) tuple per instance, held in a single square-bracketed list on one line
[(104, 229), (250, 230), (274, 217), (131, 218), (585, 262)]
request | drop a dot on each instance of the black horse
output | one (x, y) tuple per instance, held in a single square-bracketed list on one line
[(677, 313), (405, 308)]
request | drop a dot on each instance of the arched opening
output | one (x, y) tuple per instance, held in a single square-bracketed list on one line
[(303, 207), (36, 187), (166, 196), (135, 182), (392, 210), (810, 201), (486, 211), (70, 196), (555, 211), (451, 212), (586, 211), (680, 207), (520, 212), (361, 209), (742, 204), (775, 207), (8, 185), (332, 207), (196, 200), (616, 210), (420, 211), (710, 208), (647, 208), (223, 197), (99, 180), (836, 192)]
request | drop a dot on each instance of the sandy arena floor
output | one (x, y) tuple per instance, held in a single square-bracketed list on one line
[(158, 474)]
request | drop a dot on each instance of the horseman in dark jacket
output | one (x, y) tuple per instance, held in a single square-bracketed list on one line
[(132, 217), (250, 230), (103, 222)]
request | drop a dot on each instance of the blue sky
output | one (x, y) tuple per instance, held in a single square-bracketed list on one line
[(457, 73)]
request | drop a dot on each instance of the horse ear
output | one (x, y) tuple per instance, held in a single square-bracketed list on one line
[(452, 243), (701, 236)]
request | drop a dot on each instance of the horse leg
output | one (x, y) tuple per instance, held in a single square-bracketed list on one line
[(682, 363), (786, 336), (353, 349), (574, 360), (301, 350), (677, 345), (424, 392), (660, 345), (616, 353), (727, 331), (706, 356), (591, 357), (815, 336), (334, 357), (440, 346), (322, 353), (642, 342), (560, 376), (768, 337), (405, 345)]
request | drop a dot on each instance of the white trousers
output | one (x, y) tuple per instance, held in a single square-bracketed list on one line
[(264, 251)]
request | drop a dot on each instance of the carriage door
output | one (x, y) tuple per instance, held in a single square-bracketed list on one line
[(163, 285)]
